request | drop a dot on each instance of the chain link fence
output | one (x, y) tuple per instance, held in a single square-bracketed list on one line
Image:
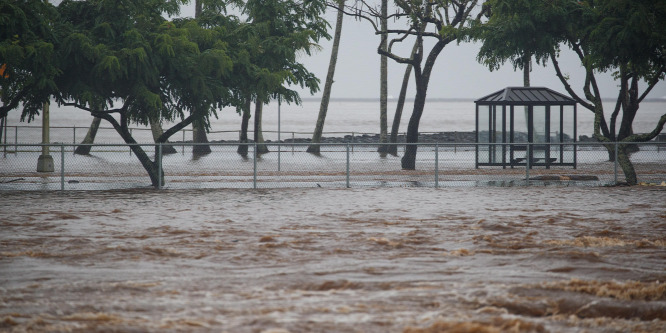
[(280, 165)]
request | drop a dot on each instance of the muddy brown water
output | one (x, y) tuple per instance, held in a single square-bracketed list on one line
[(546, 259)]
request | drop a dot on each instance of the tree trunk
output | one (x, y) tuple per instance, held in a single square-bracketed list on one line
[(326, 96), (408, 161), (150, 166), (527, 60), (383, 86), (258, 134), (242, 147), (199, 136), (85, 148), (393, 148), (623, 159), (198, 126), (422, 79), (156, 129)]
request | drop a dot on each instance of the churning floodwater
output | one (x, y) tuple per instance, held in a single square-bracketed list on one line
[(537, 259)]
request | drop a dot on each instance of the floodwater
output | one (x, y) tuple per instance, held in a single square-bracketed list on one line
[(544, 259)]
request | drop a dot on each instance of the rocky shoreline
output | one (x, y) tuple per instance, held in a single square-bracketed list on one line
[(441, 137)]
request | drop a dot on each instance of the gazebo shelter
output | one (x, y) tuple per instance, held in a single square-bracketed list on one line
[(520, 123)]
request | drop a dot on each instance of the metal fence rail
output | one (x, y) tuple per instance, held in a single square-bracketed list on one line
[(113, 166)]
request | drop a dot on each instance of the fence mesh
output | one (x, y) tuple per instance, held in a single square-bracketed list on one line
[(276, 165)]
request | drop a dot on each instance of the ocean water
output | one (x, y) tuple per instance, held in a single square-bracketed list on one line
[(344, 117)]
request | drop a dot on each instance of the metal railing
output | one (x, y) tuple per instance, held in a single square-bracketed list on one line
[(109, 166)]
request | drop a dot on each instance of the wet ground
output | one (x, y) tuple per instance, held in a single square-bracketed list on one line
[(537, 259)]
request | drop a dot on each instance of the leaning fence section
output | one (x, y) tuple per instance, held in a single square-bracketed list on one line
[(340, 165)]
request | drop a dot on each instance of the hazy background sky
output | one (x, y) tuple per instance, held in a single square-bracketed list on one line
[(457, 74)]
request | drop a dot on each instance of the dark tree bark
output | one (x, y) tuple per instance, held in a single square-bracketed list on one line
[(383, 85), (199, 136), (258, 133), (243, 147), (156, 129), (85, 148), (198, 127), (527, 60), (150, 166), (326, 95), (397, 117), (422, 79)]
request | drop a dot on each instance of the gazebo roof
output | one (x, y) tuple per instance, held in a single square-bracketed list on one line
[(526, 96)]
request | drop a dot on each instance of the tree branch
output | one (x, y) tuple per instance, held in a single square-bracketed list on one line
[(4, 110), (653, 82), (648, 136), (567, 86), (174, 129)]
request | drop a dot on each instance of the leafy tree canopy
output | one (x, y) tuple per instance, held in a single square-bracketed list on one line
[(28, 36)]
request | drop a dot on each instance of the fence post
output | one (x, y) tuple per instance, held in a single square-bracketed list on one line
[(62, 166), (436, 165), (183, 146), (4, 148), (74, 139), (254, 157), (130, 146), (159, 165), (347, 166), (528, 160), (615, 163)]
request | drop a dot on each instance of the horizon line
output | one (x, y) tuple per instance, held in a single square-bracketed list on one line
[(451, 99)]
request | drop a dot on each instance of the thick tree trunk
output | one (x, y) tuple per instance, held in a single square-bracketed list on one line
[(623, 159), (199, 136), (383, 86), (422, 79), (408, 161), (89, 139), (242, 147), (326, 96), (156, 129), (527, 60), (198, 126), (397, 117), (258, 133), (151, 167)]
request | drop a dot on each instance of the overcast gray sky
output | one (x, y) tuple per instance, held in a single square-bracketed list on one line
[(457, 74)]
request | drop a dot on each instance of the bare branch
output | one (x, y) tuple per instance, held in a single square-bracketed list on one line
[(566, 84), (648, 136), (653, 82)]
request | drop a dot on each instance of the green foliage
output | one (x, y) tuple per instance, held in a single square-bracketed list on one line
[(626, 37), (520, 28), (28, 34), (97, 54), (276, 31)]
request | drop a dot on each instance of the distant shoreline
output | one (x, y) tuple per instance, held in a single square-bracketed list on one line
[(447, 99), (441, 137)]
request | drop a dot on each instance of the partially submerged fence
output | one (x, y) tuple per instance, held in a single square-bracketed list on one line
[(114, 166)]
